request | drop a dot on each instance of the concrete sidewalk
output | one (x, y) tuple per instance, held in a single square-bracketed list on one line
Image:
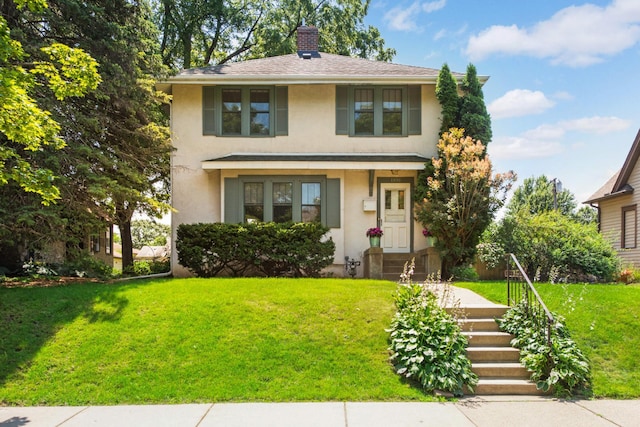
[(486, 411)]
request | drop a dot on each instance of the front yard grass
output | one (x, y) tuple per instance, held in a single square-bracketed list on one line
[(604, 320), (198, 340)]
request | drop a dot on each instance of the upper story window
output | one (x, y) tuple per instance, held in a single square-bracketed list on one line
[(378, 110), (253, 111)]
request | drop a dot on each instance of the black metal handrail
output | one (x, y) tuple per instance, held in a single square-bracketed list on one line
[(520, 289)]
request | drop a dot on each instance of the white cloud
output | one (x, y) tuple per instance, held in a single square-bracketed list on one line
[(563, 96), (597, 125), (404, 18), (519, 102), (550, 139), (432, 6), (516, 148), (440, 34), (576, 36)]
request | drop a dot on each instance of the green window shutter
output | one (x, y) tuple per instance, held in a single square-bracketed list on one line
[(282, 110), (208, 110), (232, 213), (342, 110), (333, 203), (415, 110)]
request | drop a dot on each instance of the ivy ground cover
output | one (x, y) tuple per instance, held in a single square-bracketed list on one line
[(198, 340), (603, 319)]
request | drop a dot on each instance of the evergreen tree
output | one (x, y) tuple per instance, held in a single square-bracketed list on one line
[(447, 94), (473, 115)]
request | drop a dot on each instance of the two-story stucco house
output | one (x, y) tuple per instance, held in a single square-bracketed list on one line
[(617, 204), (304, 137)]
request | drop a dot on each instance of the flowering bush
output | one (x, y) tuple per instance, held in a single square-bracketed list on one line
[(374, 232), (426, 233)]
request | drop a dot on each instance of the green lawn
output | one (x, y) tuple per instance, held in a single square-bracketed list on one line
[(198, 340), (604, 320)]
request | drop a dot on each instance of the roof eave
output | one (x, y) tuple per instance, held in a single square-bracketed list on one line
[(623, 192)]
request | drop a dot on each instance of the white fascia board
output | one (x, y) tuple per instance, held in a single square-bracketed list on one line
[(310, 165)]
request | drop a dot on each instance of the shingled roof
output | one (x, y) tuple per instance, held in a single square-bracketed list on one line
[(319, 68)]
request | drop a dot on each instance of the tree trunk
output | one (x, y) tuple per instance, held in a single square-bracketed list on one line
[(127, 245)]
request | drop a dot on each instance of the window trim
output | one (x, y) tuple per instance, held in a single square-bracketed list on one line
[(378, 111), (623, 243), (212, 110), (267, 189), (245, 111)]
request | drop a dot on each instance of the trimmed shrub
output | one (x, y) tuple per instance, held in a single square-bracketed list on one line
[(269, 249), (553, 247)]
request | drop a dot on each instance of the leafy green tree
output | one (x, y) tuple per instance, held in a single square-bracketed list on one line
[(586, 215), (552, 246), (26, 127), (536, 195), (473, 115), (460, 198), (204, 32), (116, 157), (447, 94), (146, 232)]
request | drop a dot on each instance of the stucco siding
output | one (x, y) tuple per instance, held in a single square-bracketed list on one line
[(198, 194)]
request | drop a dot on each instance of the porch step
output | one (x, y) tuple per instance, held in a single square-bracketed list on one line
[(501, 370), (488, 338), (504, 386), (393, 266), (480, 325), (483, 311), (493, 354)]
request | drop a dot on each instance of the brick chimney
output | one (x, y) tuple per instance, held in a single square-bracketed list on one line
[(308, 42)]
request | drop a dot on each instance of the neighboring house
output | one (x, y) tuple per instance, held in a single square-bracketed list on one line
[(617, 204), (310, 136), (153, 253), (99, 244)]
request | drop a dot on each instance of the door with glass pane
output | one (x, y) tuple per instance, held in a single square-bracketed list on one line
[(395, 214)]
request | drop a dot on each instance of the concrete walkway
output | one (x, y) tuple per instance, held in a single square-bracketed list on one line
[(490, 411), (485, 411)]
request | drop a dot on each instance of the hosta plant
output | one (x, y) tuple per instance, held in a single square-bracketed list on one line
[(427, 344), (559, 365)]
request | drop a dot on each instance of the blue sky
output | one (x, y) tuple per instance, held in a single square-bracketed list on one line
[(563, 91)]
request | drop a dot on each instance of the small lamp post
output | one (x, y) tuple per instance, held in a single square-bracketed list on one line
[(557, 188)]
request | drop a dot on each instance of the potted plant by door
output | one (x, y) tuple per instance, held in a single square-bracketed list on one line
[(374, 234), (431, 241)]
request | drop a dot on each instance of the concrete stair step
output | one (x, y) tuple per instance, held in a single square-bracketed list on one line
[(488, 339), (501, 370), (503, 386), (479, 325), (484, 311), (493, 354)]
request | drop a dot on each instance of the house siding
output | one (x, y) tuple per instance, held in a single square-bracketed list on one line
[(198, 195), (611, 219)]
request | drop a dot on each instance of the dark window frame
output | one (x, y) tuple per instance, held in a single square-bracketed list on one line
[(296, 202), (623, 243), (212, 111), (378, 111)]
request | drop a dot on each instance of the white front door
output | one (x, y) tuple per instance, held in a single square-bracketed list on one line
[(395, 211)]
